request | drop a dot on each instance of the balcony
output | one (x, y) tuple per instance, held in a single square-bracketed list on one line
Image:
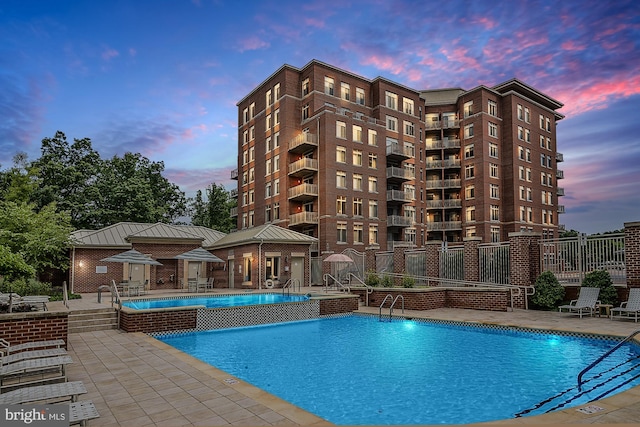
[(560, 174), (561, 209), (303, 218), (446, 204), (303, 143), (399, 221), (233, 212), (559, 157), (439, 183), (448, 123), (397, 152), (440, 164), (432, 125), (398, 196), (233, 193), (443, 143), (303, 167), (303, 192), (444, 225), (560, 191), (234, 174), (398, 174)]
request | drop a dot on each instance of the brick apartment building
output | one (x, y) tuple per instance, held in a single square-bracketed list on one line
[(362, 163)]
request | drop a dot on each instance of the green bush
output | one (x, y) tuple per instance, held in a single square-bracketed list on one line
[(386, 281), (602, 279), (548, 291), (25, 287), (408, 281), (372, 279)]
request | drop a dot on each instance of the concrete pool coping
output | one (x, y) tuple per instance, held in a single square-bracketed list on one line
[(134, 379)]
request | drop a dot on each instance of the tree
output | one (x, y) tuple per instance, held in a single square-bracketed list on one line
[(39, 238), (215, 211), (602, 279), (19, 183)]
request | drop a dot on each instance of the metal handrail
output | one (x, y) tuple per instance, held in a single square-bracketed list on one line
[(291, 283), (394, 303), (601, 358), (114, 292), (381, 305), (369, 289), (326, 277), (65, 294)]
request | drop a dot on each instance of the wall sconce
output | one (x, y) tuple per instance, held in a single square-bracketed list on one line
[(81, 264)]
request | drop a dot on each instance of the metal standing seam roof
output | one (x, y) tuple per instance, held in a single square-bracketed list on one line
[(265, 233), (117, 235)]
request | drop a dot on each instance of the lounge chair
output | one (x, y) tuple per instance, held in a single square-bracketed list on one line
[(629, 308), (33, 371), (586, 302), (6, 347)]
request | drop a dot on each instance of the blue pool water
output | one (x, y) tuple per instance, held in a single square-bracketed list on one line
[(356, 370), (216, 301)]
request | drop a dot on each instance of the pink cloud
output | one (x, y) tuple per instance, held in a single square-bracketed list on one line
[(314, 22), (108, 54), (572, 45), (386, 63), (253, 43)]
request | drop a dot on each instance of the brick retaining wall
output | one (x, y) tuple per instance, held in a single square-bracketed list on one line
[(336, 305), (157, 321), (18, 328)]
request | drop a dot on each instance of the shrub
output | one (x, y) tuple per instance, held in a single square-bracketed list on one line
[(372, 279), (602, 279), (408, 281), (548, 291), (24, 287), (386, 281)]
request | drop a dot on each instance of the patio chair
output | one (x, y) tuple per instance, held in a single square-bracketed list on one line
[(33, 371), (629, 308), (586, 302)]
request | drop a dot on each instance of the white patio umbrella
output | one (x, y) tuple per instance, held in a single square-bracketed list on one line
[(132, 257), (338, 259)]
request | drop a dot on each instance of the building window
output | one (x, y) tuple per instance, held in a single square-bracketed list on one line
[(541, 122), (469, 171), (469, 192), (543, 178), (342, 232), (493, 108), (373, 184), (245, 137), (468, 109), (268, 166), (252, 174), (341, 154), (245, 115), (373, 209), (495, 213), (470, 231), (527, 115), (341, 205), (276, 163), (409, 129), (548, 143), (341, 179), (527, 135), (468, 151), (529, 195), (494, 191), (276, 92), (276, 211), (360, 96), (341, 130), (529, 215), (373, 234), (267, 190), (392, 124), (357, 157), (410, 149), (520, 133), (520, 112), (410, 212), (521, 153), (306, 87), (245, 157), (493, 150), (251, 218), (493, 130), (548, 121), (523, 193), (357, 133), (267, 213), (495, 234), (373, 137), (407, 106), (357, 182), (548, 161), (543, 160), (521, 173), (329, 86), (268, 124), (276, 187), (528, 152), (391, 100), (252, 110), (468, 131), (529, 175), (269, 97), (541, 141), (493, 170), (305, 112), (523, 214), (357, 206), (344, 91), (470, 213), (373, 161), (358, 233)]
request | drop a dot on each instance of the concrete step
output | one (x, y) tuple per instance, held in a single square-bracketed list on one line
[(92, 320)]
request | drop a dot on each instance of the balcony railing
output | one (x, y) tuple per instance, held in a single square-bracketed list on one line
[(399, 196), (233, 211), (445, 225), (303, 191), (561, 209), (399, 151), (432, 125), (303, 165), (303, 218), (399, 221), (233, 193), (560, 191), (450, 123), (400, 173), (444, 203), (559, 157), (234, 174), (303, 141), (439, 183), (439, 164), (560, 174)]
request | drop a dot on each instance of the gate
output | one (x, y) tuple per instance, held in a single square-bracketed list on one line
[(452, 263), (494, 263), (384, 262), (570, 258), (416, 264), (359, 262)]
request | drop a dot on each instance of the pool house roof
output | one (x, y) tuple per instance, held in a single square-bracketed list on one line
[(269, 233)]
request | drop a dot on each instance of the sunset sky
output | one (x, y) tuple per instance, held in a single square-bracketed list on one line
[(162, 77)]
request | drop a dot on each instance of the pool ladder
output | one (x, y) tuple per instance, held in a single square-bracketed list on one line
[(389, 296)]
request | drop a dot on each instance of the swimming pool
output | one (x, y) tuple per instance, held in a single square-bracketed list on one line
[(356, 370), (217, 301)]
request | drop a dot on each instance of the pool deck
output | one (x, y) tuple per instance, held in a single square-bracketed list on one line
[(135, 380)]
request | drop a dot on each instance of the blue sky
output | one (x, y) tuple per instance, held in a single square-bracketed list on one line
[(162, 77)]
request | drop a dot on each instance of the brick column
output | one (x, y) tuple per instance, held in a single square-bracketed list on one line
[(524, 257), (632, 253), (370, 259), (472, 258), (432, 249)]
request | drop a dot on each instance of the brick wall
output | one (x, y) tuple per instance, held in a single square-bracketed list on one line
[(345, 304), (157, 321), (18, 328), (632, 253), (432, 298)]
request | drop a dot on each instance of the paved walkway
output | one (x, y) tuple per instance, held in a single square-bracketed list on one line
[(135, 380)]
